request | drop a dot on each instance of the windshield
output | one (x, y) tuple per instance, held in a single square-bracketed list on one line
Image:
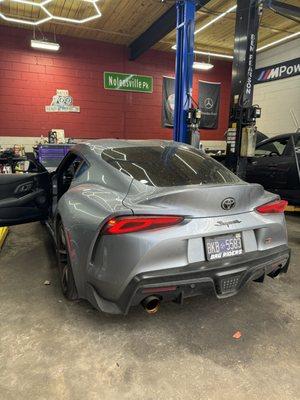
[(168, 166)]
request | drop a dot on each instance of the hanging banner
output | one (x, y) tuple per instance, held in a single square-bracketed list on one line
[(209, 100), (274, 72), (168, 102)]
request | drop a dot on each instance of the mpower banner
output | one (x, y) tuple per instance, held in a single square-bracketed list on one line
[(209, 100), (168, 94), (274, 72)]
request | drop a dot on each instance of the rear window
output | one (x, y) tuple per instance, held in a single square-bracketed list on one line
[(168, 166)]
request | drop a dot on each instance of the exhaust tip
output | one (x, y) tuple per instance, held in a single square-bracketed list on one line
[(151, 304)]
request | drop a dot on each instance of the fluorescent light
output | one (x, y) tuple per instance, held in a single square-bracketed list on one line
[(202, 66), (215, 19), (208, 53), (42, 44), (226, 55), (23, 21), (278, 41), (31, 3), (49, 15)]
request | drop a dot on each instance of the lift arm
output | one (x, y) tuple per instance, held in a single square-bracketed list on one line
[(243, 113), (243, 67)]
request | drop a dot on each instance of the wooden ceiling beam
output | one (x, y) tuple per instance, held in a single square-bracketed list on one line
[(157, 31)]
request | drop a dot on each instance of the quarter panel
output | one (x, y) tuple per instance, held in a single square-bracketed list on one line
[(83, 209)]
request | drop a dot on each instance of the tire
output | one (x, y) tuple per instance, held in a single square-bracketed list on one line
[(66, 277)]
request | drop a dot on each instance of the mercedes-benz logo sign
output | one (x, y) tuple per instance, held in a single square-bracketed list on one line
[(228, 204), (208, 103)]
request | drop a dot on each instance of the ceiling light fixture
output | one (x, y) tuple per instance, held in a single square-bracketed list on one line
[(44, 45), (218, 55), (32, 3), (227, 56), (47, 18), (266, 46), (204, 66), (209, 53), (50, 16), (215, 19)]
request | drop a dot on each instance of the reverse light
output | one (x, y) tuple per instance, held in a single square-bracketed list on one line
[(275, 207), (130, 224)]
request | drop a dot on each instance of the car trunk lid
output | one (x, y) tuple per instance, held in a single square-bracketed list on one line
[(196, 200)]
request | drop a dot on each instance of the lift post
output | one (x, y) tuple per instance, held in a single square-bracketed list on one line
[(243, 114), (184, 67)]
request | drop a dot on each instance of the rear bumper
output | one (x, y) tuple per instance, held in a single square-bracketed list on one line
[(225, 277)]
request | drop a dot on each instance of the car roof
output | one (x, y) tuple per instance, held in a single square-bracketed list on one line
[(93, 148), (277, 137), (110, 143)]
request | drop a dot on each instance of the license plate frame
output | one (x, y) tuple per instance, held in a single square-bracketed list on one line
[(219, 243)]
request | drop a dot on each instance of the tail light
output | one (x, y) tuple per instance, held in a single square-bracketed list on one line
[(277, 206), (130, 224)]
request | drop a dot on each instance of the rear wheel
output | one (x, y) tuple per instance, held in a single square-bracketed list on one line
[(67, 281)]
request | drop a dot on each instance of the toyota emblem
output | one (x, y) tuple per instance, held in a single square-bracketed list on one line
[(228, 204)]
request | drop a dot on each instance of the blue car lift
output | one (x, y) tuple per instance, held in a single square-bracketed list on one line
[(184, 67)]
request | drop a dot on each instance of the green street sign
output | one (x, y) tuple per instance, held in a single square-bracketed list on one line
[(128, 82)]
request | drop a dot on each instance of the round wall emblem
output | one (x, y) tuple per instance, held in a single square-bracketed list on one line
[(208, 103)]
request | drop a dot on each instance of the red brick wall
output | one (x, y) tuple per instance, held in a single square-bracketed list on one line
[(29, 78)]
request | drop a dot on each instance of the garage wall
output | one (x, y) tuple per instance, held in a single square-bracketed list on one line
[(29, 79), (278, 98)]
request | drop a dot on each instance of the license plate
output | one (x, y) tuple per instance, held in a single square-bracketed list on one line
[(224, 246)]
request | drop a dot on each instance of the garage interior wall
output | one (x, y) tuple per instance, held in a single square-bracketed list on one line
[(278, 98), (29, 79)]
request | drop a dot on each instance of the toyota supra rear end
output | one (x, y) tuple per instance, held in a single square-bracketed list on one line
[(177, 222), (143, 222)]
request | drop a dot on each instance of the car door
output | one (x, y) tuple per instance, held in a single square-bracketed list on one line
[(271, 164), (292, 191), (25, 195), (296, 152)]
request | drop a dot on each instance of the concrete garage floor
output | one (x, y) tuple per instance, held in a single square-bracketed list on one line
[(53, 349)]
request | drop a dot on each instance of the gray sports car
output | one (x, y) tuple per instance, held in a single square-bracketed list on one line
[(148, 221)]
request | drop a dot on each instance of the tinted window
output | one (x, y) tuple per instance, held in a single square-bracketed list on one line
[(70, 169), (9, 166), (83, 166), (168, 166), (275, 147)]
